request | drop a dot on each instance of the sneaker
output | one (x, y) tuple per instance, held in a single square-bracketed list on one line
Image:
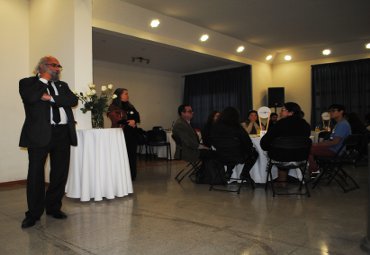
[(314, 174)]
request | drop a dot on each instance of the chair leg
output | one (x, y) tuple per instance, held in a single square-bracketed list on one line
[(271, 181), (194, 167), (341, 176), (243, 180), (181, 171)]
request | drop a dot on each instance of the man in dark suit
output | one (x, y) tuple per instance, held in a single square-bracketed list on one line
[(49, 128), (189, 139)]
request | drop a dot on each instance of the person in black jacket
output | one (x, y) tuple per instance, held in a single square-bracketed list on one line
[(232, 143), (291, 123), (130, 118), (49, 129)]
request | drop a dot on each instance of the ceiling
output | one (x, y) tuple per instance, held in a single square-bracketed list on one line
[(280, 26), (162, 57)]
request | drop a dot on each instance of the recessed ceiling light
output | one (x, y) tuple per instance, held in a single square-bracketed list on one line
[(269, 57), (288, 57), (367, 46), (240, 49), (204, 38), (326, 52), (155, 23)]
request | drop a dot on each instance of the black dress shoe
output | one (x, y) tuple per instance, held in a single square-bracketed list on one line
[(28, 222), (57, 214)]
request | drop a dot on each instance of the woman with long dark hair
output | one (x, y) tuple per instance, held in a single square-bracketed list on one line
[(291, 123), (206, 131), (123, 114), (232, 143), (251, 125)]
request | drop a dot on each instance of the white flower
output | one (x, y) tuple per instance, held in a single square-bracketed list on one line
[(103, 88), (114, 96), (110, 86), (93, 92), (92, 86), (88, 93)]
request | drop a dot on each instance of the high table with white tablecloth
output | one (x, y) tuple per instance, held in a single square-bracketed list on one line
[(258, 172), (99, 166)]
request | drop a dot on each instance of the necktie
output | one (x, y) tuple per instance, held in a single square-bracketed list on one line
[(56, 113)]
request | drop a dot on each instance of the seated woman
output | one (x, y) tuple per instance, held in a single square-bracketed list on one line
[(232, 143), (291, 123), (251, 125), (206, 131)]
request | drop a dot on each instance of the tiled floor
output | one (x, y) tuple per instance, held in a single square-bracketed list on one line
[(163, 217)]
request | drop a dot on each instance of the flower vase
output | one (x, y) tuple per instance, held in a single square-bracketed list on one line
[(97, 119)]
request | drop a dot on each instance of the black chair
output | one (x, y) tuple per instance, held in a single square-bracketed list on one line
[(158, 138), (225, 146), (243, 179), (331, 168), (142, 139), (289, 153), (191, 167)]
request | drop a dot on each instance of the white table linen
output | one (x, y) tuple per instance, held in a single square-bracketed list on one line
[(258, 172), (99, 166)]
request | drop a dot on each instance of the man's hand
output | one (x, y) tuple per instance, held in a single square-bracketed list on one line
[(46, 97), (131, 123)]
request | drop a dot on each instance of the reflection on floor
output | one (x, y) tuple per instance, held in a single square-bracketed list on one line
[(163, 217)]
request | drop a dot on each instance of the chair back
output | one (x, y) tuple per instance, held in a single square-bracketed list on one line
[(350, 150), (290, 149), (157, 136)]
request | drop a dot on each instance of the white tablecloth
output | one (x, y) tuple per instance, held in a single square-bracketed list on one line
[(258, 172), (99, 166)]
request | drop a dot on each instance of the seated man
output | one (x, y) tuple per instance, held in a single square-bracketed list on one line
[(189, 139), (329, 148)]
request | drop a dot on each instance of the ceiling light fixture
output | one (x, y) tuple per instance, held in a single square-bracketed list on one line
[(288, 57), (204, 38), (155, 23), (240, 49), (269, 57), (326, 52), (140, 60), (367, 46)]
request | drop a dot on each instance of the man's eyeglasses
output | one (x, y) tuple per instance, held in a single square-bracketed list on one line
[(333, 110), (189, 111), (55, 65), (283, 109)]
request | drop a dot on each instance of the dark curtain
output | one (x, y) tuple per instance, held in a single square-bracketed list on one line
[(210, 91), (346, 83)]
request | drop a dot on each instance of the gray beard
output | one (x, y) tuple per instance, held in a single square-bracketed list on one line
[(54, 75)]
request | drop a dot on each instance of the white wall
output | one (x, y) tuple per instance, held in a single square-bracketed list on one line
[(296, 78), (261, 80), (155, 94), (13, 65)]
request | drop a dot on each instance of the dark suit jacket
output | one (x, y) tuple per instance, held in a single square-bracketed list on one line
[(36, 130), (189, 141)]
